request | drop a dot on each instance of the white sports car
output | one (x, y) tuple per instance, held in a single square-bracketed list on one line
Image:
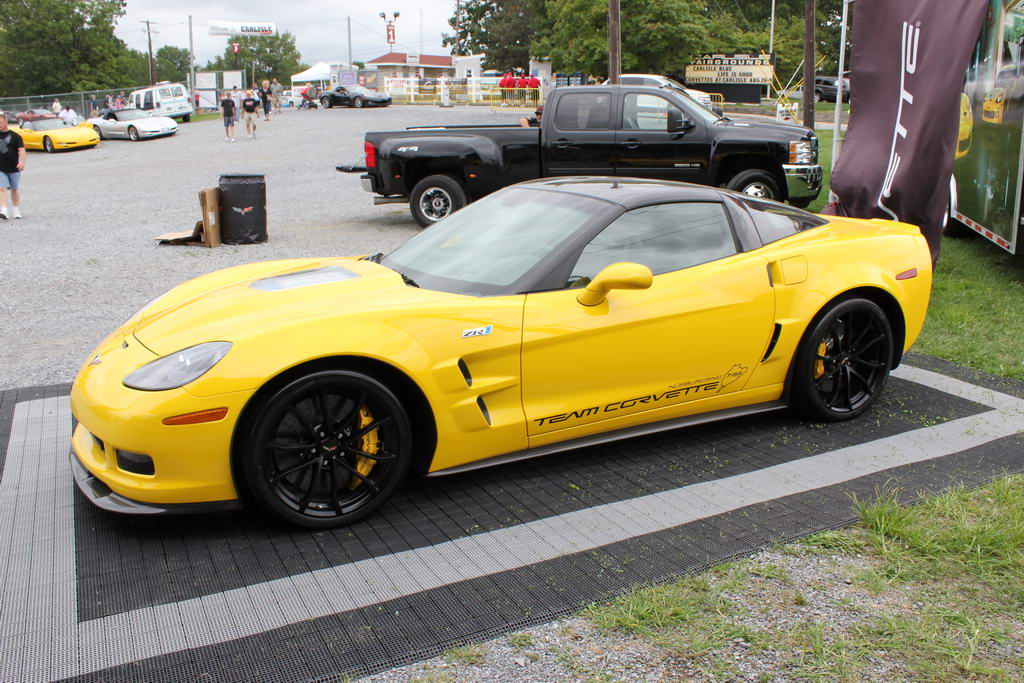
[(133, 124)]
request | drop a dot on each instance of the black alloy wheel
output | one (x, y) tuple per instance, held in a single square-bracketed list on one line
[(133, 134), (99, 133), (357, 102), (844, 361), (327, 449), (818, 96), (48, 145), (326, 102)]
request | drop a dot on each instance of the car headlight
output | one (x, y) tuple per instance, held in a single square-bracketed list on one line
[(803, 151), (179, 368)]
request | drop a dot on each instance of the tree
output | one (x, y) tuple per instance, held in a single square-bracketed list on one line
[(357, 64), (172, 64), (502, 31), (274, 57), (63, 45), (658, 36)]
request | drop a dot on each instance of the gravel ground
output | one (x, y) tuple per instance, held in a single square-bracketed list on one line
[(83, 258)]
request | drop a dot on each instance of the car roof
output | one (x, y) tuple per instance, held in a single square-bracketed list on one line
[(629, 193)]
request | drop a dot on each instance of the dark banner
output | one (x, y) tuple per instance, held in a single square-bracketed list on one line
[(908, 63)]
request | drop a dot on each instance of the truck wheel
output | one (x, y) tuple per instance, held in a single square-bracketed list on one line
[(436, 197), (756, 183)]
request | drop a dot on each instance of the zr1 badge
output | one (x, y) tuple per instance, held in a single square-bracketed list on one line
[(477, 331)]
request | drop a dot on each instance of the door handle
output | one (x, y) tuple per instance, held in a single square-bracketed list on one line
[(632, 143), (561, 143)]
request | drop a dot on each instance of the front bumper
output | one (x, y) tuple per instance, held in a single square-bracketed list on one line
[(803, 181), (100, 495)]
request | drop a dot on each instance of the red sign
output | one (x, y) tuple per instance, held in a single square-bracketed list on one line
[(235, 47), (391, 34)]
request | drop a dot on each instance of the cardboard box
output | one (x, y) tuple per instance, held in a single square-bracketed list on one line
[(206, 232)]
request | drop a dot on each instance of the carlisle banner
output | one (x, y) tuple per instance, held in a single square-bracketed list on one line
[(242, 28), (909, 58)]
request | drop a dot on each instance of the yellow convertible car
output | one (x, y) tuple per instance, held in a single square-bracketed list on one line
[(52, 135), (550, 315)]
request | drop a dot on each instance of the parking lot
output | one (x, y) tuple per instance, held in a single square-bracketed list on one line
[(83, 259)]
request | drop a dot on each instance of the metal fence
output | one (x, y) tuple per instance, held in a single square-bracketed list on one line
[(85, 103)]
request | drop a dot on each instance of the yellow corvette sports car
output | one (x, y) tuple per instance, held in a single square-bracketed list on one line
[(51, 135), (550, 315)]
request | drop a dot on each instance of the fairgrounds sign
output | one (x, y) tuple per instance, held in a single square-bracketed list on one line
[(737, 69)]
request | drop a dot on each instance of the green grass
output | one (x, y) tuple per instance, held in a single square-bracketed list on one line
[(949, 578), (976, 314), (467, 655), (205, 117), (521, 640)]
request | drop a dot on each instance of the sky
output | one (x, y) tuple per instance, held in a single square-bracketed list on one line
[(319, 28)]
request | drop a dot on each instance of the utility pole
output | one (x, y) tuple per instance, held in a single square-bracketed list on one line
[(349, 19), (771, 31), (458, 27), (149, 35), (191, 63), (809, 62), (614, 43)]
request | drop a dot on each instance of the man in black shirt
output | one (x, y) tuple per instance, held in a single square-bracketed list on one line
[(249, 106), (12, 163), (227, 105)]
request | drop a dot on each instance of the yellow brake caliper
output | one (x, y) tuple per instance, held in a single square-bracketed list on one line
[(370, 443), (819, 365)]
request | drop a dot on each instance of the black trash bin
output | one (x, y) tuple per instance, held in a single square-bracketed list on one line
[(243, 208)]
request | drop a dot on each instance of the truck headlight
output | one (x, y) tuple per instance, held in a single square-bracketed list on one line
[(179, 368), (803, 151)]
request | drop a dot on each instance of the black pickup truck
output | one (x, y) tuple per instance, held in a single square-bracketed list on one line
[(637, 131)]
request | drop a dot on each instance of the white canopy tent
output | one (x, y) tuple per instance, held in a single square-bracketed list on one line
[(319, 72)]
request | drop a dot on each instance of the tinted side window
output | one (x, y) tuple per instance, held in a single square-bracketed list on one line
[(147, 102), (584, 111), (647, 112), (165, 93), (664, 238), (776, 221)]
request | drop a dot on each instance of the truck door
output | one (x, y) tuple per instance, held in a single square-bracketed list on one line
[(580, 140), (645, 148)]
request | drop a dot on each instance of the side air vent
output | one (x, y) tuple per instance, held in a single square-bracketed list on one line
[(775, 340), (483, 408), (464, 369)]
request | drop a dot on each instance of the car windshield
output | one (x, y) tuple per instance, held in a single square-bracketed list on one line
[(491, 245), (132, 115), (47, 124)]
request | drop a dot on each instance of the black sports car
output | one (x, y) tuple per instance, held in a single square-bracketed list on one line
[(353, 96)]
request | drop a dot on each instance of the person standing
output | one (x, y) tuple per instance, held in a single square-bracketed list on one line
[(265, 97), (275, 94), (69, 116), (55, 106), (12, 163), (236, 96), (249, 106), (227, 106)]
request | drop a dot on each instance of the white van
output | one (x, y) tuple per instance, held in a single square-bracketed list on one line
[(164, 99)]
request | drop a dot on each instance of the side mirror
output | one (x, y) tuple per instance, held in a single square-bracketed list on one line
[(615, 276), (677, 123)]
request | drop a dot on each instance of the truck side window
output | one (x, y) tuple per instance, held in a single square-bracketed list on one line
[(584, 111), (647, 112), (664, 238), (147, 103)]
